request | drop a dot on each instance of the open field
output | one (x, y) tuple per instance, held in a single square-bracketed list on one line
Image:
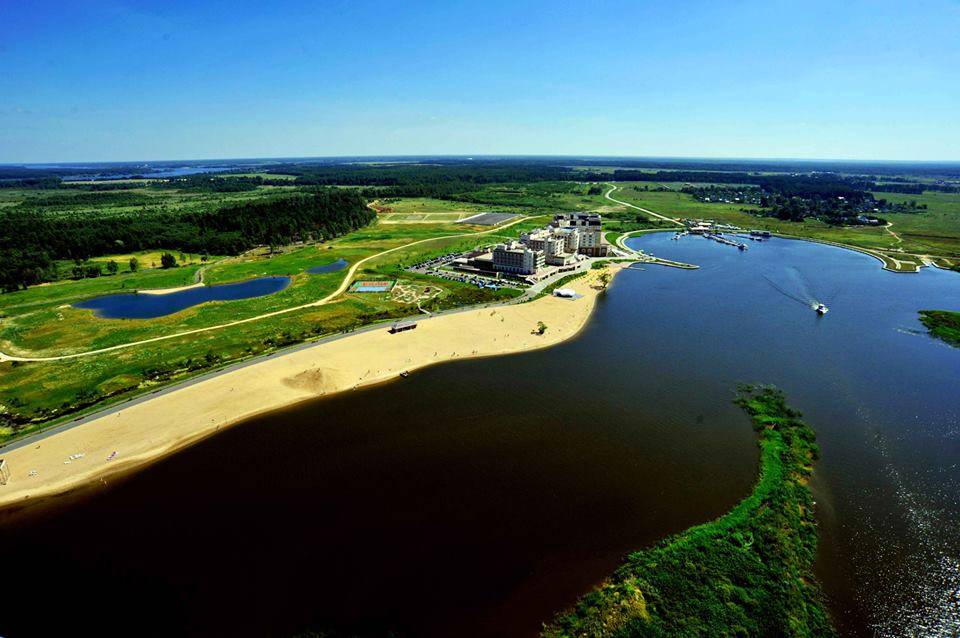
[(150, 258), (935, 231), (539, 197), (263, 175), (142, 198), (424, 210), (40, 320)]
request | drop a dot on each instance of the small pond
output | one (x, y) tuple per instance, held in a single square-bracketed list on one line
[(134, 305), (333, 266)]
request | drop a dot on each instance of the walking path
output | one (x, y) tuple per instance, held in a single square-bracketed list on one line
[(895, 236), (333, 295)]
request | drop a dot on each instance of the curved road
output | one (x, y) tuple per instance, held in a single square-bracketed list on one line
[(614, 187), (336, 293)]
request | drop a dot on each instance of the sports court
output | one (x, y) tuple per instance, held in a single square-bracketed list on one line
[(371, 286)]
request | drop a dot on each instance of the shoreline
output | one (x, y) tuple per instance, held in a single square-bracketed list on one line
[(134, 436), (858, 249)]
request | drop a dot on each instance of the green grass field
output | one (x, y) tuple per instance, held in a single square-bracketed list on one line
[(537, 197), (935, 231), (144, 197), (425, 210), (40, 321)]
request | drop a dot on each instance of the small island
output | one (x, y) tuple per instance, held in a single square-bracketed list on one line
[(943, 324)]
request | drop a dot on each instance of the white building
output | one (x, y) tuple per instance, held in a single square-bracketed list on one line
[(553, 244), (518, 259), (587, 226)]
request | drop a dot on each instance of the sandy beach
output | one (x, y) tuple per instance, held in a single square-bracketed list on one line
[(144, 432)]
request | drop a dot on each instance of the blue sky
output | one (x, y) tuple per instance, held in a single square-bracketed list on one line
[(102, 81)]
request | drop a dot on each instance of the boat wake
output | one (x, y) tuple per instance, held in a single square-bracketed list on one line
[(797, 289)]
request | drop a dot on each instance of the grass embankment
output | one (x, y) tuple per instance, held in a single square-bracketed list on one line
[(943, 324), (747, 573)]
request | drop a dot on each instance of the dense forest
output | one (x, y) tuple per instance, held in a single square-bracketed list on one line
[(31, 240), (745, 574), (445, 181)]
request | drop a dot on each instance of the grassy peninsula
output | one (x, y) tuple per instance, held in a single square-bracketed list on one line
[(747, 573), (943, 324)]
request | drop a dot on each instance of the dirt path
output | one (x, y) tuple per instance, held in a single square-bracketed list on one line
[(897, 237)]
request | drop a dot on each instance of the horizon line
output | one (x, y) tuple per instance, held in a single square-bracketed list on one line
[(470, 156)]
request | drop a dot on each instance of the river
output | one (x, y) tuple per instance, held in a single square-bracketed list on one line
[(477, 498)]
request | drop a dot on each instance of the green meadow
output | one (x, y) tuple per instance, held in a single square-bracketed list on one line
[(41, 321)]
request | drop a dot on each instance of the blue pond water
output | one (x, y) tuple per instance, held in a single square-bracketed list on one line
[(333, 266), (141, 306)]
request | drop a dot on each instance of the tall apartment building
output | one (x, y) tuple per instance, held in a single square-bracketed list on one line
[(588, 228), (571, 239), (553, 243)]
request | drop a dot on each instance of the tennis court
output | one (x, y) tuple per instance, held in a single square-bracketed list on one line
[(371, 286)]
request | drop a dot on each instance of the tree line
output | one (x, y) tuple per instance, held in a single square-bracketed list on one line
[(32, 241)]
